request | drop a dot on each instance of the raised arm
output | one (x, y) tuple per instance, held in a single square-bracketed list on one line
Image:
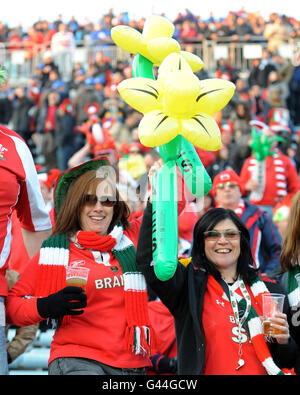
[(171, 291)]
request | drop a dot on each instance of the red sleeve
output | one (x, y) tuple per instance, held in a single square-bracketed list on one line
[(21, 306), (245, 175), (19, 255)]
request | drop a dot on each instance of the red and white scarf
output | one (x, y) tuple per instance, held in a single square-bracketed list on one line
[(258, 288), (54, 258)]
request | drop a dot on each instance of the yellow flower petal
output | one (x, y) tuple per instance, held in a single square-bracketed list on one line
[(128, 39), (180, 93), (160, 48), (193, 60), (157, 128), (172, 62), (140, 93), (157, 26), (214, 95), (202, 131)]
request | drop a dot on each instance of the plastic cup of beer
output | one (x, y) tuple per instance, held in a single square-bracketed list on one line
[(77, 277), (272, 304)]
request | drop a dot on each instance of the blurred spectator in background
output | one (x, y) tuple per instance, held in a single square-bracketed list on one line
[(100, 66), (258, 106), (279, 179), (240, 119), (62, 47), (33, 43), (294, 98), (223, 162), (46, 127), (20, 118), (243, 30), (64, 134), (277, 89), (5, 104), (276, 33), (48, 66), (85, 95), (15, 40), (121, 130), (4, 31)]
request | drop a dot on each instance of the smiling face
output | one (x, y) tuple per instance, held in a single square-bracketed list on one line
[(96, 217), (222, 252)]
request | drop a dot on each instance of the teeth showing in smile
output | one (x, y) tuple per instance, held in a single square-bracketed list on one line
[(223, 251), (97, 218)]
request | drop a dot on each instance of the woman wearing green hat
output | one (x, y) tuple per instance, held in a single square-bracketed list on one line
[(106, 329)]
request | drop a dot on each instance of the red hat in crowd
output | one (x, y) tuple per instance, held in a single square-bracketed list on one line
[(224, 177)]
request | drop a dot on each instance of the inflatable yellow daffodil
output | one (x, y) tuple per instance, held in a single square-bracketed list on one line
[(155, 43), (177, 103)]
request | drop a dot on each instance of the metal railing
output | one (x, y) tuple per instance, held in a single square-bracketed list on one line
[(239, 54), (34, 361)]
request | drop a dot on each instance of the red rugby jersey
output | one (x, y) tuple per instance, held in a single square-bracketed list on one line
[(20, 191)]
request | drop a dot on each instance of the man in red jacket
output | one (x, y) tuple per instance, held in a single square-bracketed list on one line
[(279, 179)]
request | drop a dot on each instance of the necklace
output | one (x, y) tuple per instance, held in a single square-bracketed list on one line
[(239, 321)]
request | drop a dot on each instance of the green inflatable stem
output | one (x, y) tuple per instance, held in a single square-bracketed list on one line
[(194, 173), (165, 221), (165, 192), (142, 67)]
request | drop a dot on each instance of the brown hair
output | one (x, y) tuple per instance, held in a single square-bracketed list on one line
[(68, 218), (290, 250)]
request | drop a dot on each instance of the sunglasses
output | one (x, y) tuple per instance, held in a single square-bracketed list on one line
[(214, 235), (228, 184), (105, 201)]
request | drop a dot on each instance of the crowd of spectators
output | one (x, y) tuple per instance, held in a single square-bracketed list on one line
[(57, 110), (240, 25), (70, 115)]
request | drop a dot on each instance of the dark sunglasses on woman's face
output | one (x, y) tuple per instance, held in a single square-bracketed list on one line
[(214, 235), (105, 201)]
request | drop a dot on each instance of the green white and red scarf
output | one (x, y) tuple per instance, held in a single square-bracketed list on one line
[(54, 258), (258, 288)]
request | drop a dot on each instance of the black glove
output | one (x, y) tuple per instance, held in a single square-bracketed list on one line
[(62, 302), (167, 365), (163, 364)]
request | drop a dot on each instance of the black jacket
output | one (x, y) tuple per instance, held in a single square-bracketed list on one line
[(20, 115), (184, 294)]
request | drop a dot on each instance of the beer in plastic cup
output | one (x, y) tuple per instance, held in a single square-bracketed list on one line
[(272, 304), (77, 277)]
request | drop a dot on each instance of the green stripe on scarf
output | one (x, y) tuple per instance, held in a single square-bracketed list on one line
[(54, 258), (292, 286)]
